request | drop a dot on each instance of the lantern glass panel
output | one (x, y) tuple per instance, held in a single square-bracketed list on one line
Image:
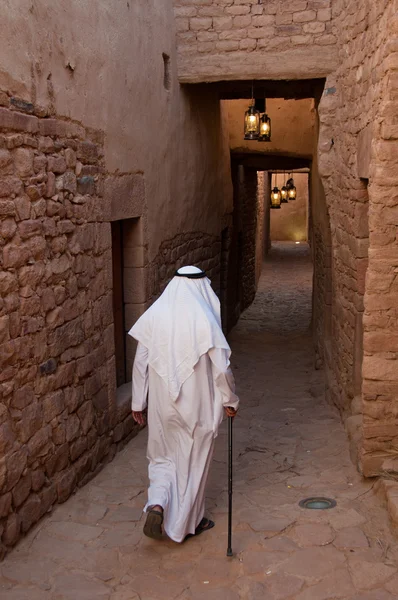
[(252, 123), (265, 129), (291, 193), (284, 194), (275, 198)]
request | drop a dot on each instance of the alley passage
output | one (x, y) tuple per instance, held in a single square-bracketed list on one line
[(289, 444)]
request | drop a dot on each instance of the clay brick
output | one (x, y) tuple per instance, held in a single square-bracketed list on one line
[(185, 11), (222, 23), (293, 5), (289, 30), (243, 21), (182, 25), (326, 40), (227, 45), (304, 16), (284, 19), (301, 39), (314, 27), (324, 14), (237, 10), (263, 21), (248, 44)]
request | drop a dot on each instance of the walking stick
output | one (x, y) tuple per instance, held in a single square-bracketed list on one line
[(229, 549)]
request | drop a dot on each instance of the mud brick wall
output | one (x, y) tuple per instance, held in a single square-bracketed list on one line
[(234, 37), (380, 361), (58, 422), (356, 157)]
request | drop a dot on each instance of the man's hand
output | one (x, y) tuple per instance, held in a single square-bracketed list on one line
[(139, 417), (229, 411)]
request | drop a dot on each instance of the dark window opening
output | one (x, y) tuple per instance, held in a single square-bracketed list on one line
[(166, 71)]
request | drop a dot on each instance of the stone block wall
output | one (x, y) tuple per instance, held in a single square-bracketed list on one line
[(356, 147), (380, 361), (216, 25), (233, 38), (57, 419)]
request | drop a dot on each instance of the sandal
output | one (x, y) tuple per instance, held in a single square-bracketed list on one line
[(204, 525), (153, 525)]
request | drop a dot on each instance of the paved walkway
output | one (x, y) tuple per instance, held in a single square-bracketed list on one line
[(288, 445)]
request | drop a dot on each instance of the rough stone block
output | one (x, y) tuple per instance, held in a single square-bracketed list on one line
[(237, 9), (222, 23), (227, 45), (304, 16), (324, 14), (30, 512), (52, 127), (87, 152), (11, 529), (22, 489), (314, 27), (23, 162), (66, 484), (56, 164), (18, 121), (293, 5), (124, 197)]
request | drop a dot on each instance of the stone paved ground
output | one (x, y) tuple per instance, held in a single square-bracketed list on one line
[(288, 445)]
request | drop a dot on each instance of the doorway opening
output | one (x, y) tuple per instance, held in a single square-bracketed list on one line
[(129, 293)]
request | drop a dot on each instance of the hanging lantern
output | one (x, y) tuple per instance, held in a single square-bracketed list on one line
[(265, 127), (252, 120), (291, 189), (275, 195), (284, 191), (291, 193), (252, 123), (275, 198)]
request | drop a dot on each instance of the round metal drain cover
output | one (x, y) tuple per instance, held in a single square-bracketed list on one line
[(318, 503)]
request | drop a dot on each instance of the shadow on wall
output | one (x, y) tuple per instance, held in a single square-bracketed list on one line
[(290, 223)]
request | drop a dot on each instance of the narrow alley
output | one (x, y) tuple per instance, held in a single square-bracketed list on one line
[(289, 445)]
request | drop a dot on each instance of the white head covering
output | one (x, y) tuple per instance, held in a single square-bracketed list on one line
[(181, 326)]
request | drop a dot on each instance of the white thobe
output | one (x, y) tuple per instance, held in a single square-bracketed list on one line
[(181, 435)]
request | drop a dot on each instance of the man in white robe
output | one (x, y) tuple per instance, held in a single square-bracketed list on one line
[(182, 365)]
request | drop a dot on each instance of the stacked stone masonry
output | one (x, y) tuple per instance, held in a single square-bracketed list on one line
[(207, 26), (58, 421), (358, 120), (252, 39)]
